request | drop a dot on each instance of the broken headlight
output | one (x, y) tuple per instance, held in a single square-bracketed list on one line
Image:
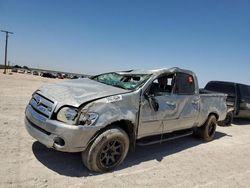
[(68, 115), (88, 118)]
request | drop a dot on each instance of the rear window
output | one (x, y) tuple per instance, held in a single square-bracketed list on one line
[(184, 84), (221, 87), (244, 91)]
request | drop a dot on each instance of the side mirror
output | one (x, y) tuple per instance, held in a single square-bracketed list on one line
[(152, 101)]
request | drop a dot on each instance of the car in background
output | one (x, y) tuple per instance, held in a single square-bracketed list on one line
[(238, 99), (59, 75), (74, 77), (13, 70), (48, 75), (21, 71), (35, 73)]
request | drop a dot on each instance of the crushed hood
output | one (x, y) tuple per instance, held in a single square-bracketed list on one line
[(77, 92)]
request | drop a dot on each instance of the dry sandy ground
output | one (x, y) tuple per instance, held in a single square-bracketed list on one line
[(186, 162)]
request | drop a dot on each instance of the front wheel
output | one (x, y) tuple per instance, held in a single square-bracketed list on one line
[(107, 151), (207, 131)]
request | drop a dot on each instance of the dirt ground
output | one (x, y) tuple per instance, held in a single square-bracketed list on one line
[(186, 162)]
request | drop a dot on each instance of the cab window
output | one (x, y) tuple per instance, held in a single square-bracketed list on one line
[(184, 84), (163, 85), (244, 91)]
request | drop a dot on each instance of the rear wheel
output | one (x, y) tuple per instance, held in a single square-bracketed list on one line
[(107, 151), (207, 131), (228, 120)]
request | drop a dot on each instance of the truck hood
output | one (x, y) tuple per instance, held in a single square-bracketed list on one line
[(77, 92)]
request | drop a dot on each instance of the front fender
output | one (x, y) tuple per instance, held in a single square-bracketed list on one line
[(109, 112)]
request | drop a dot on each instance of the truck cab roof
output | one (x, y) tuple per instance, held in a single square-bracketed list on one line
[(158, 71)]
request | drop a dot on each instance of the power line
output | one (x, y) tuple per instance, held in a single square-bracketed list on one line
[(6, 48)]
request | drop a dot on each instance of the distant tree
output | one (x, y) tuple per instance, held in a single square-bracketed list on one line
[(25, 67), (17, 66)]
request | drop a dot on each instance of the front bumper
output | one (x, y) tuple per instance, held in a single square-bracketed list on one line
[(46, 131)]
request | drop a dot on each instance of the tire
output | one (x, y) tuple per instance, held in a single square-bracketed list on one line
[(228, 120), (207, 131), (107, 151)]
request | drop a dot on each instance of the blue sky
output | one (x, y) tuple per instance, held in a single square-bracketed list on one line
[(210, 37)]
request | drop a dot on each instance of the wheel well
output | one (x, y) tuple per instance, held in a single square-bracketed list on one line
[(128, 127), (215, 114), (125, 125)]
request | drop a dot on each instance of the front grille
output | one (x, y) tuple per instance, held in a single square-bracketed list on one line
[(42, 105)]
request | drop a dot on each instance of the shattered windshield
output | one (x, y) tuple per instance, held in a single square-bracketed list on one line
[(124, 81)]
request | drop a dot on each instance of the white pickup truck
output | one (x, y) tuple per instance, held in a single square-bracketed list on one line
[(105, 115)]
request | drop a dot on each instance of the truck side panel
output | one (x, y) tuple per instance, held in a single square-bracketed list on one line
[(212, 103)]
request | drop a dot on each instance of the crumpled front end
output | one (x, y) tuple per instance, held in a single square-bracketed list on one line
[(53, 133)]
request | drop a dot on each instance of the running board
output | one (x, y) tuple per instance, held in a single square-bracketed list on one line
[(163, 138)]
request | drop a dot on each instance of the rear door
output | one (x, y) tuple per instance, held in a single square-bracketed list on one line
[(187, 104)]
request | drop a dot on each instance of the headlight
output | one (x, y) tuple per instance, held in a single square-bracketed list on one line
[(70, 116), (88, 118), (67, 115)]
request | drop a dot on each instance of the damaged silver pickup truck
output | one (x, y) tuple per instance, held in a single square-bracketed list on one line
[(106, 115)]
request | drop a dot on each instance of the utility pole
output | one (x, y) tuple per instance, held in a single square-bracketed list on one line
[(8, 67), (6, 48)]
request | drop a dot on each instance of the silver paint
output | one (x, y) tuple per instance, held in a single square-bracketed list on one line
[(113, 104)]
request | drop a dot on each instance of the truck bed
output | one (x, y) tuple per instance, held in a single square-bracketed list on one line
[(212, 102), (230, 99)]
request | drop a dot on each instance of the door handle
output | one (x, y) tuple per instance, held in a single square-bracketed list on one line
[(170, 103), (195, 102)]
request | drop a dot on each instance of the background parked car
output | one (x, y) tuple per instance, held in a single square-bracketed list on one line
[(14, 70), (238, 98), (74, 77), (35, 73), (60, 76), (48, 75), (21, 71)]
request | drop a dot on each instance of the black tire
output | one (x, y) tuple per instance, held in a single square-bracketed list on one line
[(207, 131), (107, 151), (227, 121)]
